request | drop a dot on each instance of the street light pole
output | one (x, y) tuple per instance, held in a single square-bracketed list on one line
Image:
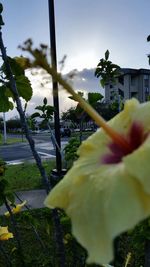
[(55, 85), (57, 174), (5, 132)]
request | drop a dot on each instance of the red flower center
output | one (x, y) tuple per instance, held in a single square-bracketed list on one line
[(135, 138)]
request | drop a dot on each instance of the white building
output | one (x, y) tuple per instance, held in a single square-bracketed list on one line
[(132, 83)]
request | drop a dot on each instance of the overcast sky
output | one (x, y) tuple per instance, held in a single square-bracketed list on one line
[(85, 29)]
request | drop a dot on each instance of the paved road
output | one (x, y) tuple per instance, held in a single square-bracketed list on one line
[(44, 137), (21, 151)]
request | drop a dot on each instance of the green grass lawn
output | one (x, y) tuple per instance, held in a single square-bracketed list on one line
[(12, 141), (26, 176)]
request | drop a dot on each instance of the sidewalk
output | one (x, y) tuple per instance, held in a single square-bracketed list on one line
[(35, 199), (30, 160)]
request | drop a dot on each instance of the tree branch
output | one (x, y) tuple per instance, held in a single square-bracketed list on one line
[(22, 116)]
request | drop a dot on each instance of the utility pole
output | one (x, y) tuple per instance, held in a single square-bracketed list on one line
[(4, 127), (55, 86)]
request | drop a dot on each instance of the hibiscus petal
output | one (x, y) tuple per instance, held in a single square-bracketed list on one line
[(95, 204), (106, 200), (138, 164)]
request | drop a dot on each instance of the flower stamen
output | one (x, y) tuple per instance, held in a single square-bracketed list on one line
[(135, 137)]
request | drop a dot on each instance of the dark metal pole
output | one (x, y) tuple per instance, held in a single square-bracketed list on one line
[(55, 84)]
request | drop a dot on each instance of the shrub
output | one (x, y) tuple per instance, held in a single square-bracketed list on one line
[(70, 151)]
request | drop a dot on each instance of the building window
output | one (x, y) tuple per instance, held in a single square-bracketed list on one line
[(121, 80), (133, 79), (146, 90), (146, 83), (111, 86), (120, 92)]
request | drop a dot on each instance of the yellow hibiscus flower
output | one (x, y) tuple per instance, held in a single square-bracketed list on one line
[(107, 191), (16, 209), (5, 234)]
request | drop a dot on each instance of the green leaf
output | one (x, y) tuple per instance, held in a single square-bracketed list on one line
[(8, 92), (1, 21), (35, 115), (13, 250), (11, 106), (10, 196), (98, 72), (16, 68), (79, 93), (3, 185), (24, 87), (148, 38), (93, 98), (115, 66), (44, 116), (41, 108), (106, 54), (50, 109), (5, 104), (102, 82), (1, 8), (149, 59), (106, 70), (45, 101)]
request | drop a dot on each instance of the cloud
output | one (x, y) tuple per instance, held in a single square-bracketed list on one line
[(42, 87), (86, 80)]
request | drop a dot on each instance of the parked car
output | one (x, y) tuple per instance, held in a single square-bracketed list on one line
[(65, 132)]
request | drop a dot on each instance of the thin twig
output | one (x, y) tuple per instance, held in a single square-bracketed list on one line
[(54, 141), (33, 227), (48, 187), (22, 116), (59, 237), (20, 254)]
